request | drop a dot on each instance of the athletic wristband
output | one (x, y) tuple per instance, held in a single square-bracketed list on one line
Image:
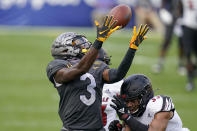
[(97, 44), (135, 125)]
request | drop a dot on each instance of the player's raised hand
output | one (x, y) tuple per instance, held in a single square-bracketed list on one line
[(139, 36), (120, 107), (104, 31)]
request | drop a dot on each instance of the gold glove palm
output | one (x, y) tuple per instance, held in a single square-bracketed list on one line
[(106, 29), (138, 37)]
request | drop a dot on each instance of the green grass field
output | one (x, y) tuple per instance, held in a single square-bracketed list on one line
[(28, 100)]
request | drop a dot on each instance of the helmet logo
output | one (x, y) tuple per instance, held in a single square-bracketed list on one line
[(122, 110), (123, 96), (84, 51)]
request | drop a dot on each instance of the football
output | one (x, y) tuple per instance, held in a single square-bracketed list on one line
[(122, 13)]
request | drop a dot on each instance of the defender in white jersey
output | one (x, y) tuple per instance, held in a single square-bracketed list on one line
[(108, 113), (141, 110)]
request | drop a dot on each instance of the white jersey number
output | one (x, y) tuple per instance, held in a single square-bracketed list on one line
[(90, 89)]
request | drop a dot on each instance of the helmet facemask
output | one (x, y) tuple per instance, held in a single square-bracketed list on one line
[(133, 105), (81, 43)]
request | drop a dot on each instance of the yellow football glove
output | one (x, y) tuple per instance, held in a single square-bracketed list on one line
[(107, 29), (138, 37)]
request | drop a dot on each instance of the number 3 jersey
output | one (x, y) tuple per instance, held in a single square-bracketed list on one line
[(158, 104), (108, 113), (80, 99)]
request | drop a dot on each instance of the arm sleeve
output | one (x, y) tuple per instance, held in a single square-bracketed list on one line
[(53, 67), (118, 74), (135, 125)]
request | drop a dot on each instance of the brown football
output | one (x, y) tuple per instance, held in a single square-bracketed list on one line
[(122, 13)]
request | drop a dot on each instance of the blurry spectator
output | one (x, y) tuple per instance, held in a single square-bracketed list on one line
[(169, 12), (190, 39), (146, 14), (102, 8)]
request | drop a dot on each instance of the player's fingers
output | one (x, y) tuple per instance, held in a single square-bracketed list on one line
[(134, 30), (106, 21), (139, 30), (111, 31), (117, 100), (114, 101), (114, 107), (113, 24), (114, 29), (115, 97), (110, 21), (145, 31), (96, 23), (145, 37)]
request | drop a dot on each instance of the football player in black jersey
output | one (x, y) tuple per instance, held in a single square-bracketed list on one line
[(79, 76)]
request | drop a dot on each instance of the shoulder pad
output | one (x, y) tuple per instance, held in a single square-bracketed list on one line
[(113, 88), (58, 62), (167, 104), (160, 104), (54, 66)]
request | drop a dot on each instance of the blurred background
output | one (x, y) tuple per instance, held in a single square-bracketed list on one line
[(28, 100)]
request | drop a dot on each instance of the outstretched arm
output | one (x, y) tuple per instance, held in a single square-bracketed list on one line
[(160, 121), (114, 75), (70, 73)]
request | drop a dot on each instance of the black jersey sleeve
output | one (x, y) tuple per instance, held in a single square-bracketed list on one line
[(54, 66), (116, 75)]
